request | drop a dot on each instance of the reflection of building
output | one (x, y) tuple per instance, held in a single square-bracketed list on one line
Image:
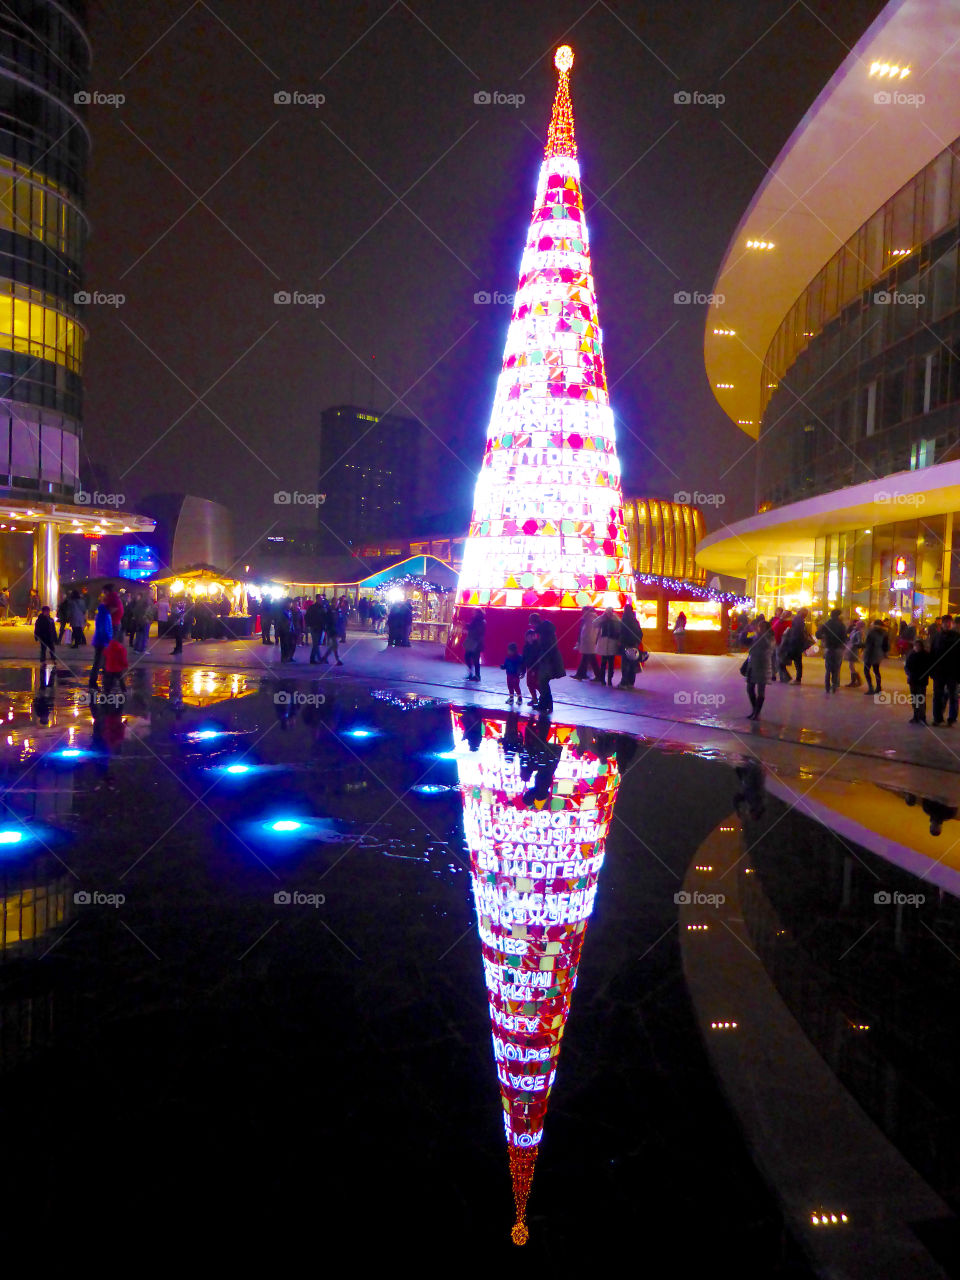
[(538, 799), (547, 530), (839, 346), (44, 143)]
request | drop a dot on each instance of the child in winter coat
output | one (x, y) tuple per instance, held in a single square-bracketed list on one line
[(513, 665), (114, 665), (45, 631)]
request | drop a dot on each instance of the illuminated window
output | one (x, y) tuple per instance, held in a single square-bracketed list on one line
[(36, 330)]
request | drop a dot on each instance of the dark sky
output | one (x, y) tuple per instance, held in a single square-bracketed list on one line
[(399, 199)]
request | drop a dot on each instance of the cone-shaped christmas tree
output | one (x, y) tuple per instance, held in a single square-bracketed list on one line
[(547, 529), (537, 802)]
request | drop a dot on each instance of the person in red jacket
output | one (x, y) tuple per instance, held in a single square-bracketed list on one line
[(114, 665), (780, 623), (111, 598)]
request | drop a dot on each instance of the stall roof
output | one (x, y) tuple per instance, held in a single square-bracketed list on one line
[(349, 571)]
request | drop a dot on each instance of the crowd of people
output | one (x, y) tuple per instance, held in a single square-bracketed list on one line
[(776, 649), (602, 638)]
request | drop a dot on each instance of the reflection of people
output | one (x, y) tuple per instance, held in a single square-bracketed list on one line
[(750, 797), (938, 814)]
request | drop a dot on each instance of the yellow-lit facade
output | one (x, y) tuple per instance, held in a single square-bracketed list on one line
[(663, 537), (33, 205), (30, 324)]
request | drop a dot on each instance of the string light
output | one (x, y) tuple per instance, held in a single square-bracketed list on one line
[(560, 139), (694, 590)]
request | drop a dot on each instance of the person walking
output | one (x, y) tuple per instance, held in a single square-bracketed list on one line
[(758, 667), (608, 644), (179, 626), (102, 635), (313, 621), (331, 638), (852, 651), (944, 668), (45, 632), (63, 618), (513, 666), (33, 605), (833, 633), (550, 663), (286, 638), (916, 666), (680, 631), (114, 665), (631, 646), (793, 646), (473, 644), (876, 646), (586, 644), (531, 659), (266, 619), (78, 620)]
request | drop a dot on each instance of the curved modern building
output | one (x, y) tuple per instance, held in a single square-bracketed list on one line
[(44, 145), (834, 340)]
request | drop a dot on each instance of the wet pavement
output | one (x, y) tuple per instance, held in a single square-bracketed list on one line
[(242, 969)]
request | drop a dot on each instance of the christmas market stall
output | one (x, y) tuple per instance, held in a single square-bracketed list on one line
[(661, 600), (216, 602), (427, 583)]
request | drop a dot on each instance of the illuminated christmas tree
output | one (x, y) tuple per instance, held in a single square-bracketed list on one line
[(548, 529), (537, 803)]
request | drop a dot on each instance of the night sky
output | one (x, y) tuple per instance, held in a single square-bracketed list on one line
[(400, 198)]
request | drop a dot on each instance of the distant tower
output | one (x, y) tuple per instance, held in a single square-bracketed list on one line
[(536, 813), (548, 530)]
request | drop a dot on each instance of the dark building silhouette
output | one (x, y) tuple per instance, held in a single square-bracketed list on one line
[(372, 469)]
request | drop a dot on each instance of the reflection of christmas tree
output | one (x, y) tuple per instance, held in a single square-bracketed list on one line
[(537, 804), (547, 528)]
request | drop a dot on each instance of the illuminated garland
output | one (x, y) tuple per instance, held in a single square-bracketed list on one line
[(411, 580), (548, 528), (537, 806), (694, 589)]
